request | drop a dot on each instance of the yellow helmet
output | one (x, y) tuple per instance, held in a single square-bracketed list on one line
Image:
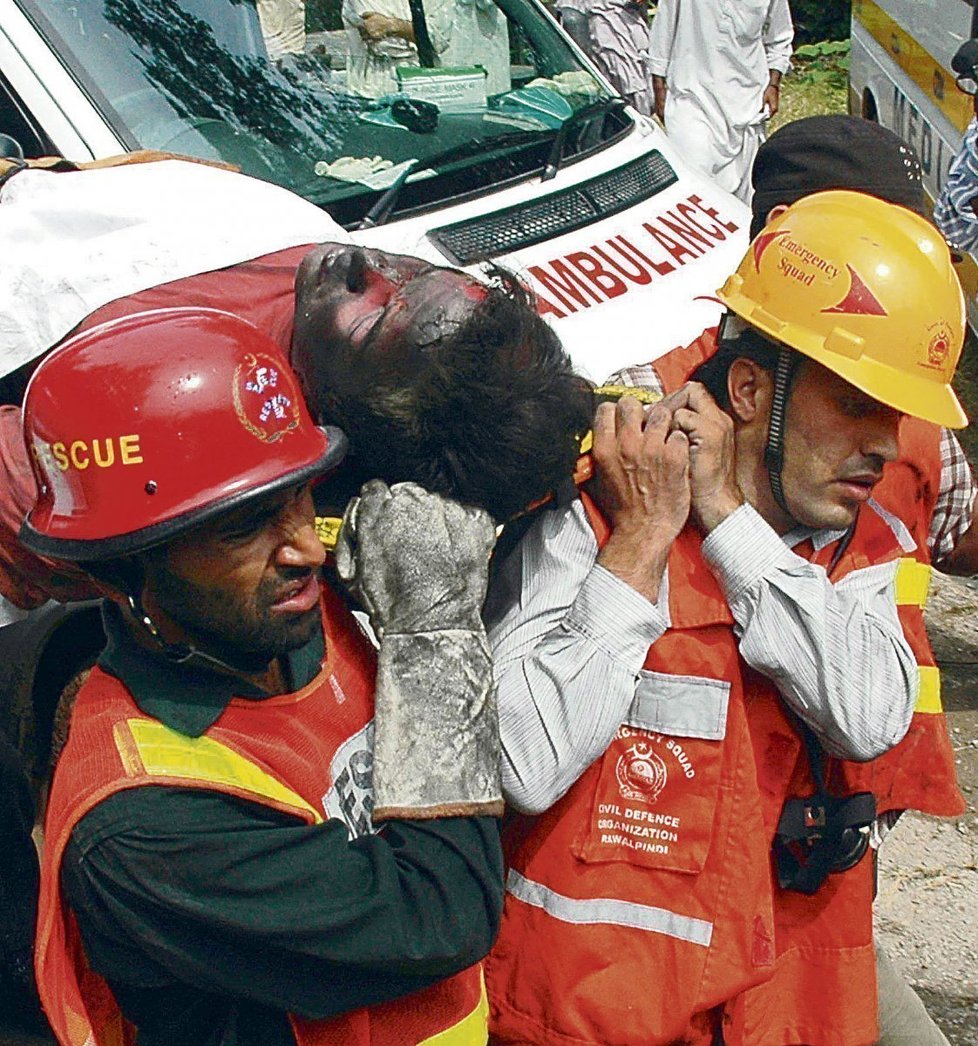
[(865, 288)]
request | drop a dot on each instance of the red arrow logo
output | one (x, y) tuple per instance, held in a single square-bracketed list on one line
[(761, 244), (859, 301)]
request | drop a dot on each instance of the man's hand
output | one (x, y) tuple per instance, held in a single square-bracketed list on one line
[(642, 485), (417, 562), (772, 95), (659, 91), (714, 492), (375, 26)]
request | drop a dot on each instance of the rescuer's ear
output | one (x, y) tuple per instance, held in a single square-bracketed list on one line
[(775, 212), (749, 391)]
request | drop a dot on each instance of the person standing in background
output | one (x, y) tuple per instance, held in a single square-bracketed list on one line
[(614, 34), (716, 73), (480, 37), (954, 213), (283, 25), (380, 38), (572, 15), (619, 35)]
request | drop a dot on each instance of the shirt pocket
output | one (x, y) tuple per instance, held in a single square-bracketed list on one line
[(743, 20), (657, 787)]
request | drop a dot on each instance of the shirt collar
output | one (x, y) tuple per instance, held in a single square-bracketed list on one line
[(818, 538), (189, 698)]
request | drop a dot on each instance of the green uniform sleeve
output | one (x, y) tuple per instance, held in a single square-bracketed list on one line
[(216, 895)]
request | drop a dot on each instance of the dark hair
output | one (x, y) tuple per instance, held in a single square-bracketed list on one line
[(492, 417), (757, 222), (748, 344)]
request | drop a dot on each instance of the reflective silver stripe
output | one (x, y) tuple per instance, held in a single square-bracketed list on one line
[(683, 706), (607, 910)]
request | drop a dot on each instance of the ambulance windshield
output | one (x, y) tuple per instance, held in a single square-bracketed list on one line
[(339, 100)]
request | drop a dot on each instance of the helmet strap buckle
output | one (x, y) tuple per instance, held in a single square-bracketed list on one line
[(177, 653)]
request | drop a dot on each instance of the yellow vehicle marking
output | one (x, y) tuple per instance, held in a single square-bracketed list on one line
[(924, 70)]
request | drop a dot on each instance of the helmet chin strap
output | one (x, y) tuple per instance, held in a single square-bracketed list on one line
[(774, 451), (178, 653)]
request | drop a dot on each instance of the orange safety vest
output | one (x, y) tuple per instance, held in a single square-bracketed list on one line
[(919, 773), (308, 754), (822, 989), (596, 943), (645, 897)]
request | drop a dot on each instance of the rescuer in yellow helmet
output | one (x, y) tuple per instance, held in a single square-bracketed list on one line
[(712, 667)]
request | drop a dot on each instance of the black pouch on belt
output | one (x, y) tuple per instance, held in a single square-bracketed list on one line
[(820, 834)]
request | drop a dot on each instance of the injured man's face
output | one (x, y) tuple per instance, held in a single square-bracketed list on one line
[(436, 377), (363, 311)]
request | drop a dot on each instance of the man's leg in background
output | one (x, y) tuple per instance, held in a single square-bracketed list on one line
[(903, 1019)]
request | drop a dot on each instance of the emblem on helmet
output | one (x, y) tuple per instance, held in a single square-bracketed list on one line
[(938, 348), (265, 399), (641, 773)]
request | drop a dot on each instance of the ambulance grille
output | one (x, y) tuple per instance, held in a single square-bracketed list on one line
[(525, 224)]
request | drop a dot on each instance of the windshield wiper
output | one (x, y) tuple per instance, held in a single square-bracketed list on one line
[(478, 145), (598, 108), (384, 207)]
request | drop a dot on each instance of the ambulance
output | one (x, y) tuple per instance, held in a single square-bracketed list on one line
[(900, 75), (504, 145), (492, 141)]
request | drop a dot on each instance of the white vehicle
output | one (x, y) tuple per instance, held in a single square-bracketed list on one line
[(503, 145), (900, 75), (494, 140)]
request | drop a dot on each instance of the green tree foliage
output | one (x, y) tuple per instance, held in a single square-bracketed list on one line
[(826, 63), (820, 20)]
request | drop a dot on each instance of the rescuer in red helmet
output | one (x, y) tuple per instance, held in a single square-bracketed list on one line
[(213, 868)]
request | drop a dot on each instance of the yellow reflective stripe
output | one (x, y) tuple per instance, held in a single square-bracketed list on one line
[(165, 753), (912, 583), (929, 695), (328, 530), (615, 392), (640, 392), (472, 1030)]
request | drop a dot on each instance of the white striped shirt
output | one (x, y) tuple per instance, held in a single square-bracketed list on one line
[(569, 639)]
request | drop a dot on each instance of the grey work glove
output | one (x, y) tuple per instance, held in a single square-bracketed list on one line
[(419, 565)]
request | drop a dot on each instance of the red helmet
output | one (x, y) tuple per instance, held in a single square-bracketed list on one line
[(145, 426)]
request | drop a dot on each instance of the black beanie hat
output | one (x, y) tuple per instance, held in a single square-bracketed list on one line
[(835, 152)]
